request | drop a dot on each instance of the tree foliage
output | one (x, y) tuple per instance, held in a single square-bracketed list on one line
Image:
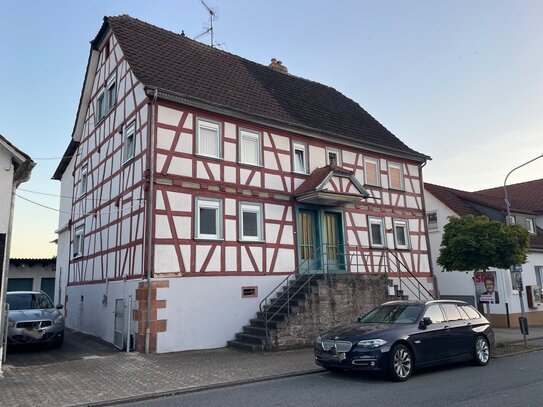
[(478, 243)]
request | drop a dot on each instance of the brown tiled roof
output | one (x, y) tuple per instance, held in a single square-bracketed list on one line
[(462, 203), (176, 64), (527, 196)]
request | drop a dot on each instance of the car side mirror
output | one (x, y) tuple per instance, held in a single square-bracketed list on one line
[(59, 306), (425, 322), (359, 319)]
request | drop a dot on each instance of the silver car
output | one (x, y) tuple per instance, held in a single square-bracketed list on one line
[(34, 319)]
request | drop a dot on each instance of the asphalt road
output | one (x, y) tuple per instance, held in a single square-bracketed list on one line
[(511, 381)]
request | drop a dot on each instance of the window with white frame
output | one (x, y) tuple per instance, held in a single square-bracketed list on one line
[(395, 176), (208, 138), (208, 218), (250, 151), (83, 180), (371, 171), (79, 241), (106, 98), (511, 220), (129, 141), (401, 234), (432, 220), (111, 92), (377, 232), (334, 156), (250, 222), (299, 158), (539, 275), (530, 225)]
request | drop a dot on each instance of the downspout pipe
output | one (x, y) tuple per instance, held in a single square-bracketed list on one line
[(150, 208)]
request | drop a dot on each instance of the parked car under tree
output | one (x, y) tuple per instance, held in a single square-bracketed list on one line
[(34, 319), (399, 336)]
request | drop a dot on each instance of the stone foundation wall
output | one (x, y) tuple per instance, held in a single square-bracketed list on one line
[(334, 300)]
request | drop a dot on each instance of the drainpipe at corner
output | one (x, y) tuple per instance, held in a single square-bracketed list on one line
[(150, 200)]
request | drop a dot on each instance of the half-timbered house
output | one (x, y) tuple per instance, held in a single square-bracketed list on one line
[(200, 180)]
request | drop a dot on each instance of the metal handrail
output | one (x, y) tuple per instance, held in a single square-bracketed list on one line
[(417, 286), (319, 252), (285, 282)]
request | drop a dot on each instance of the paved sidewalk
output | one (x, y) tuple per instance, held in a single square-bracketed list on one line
[(103, 378)]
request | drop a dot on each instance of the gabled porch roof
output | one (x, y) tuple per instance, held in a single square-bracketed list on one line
[(331, 186)]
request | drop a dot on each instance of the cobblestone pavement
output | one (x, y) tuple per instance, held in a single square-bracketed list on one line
[(106, 376)]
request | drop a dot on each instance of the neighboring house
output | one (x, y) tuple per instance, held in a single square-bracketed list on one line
[(213, 177), (32, 275), (526, 209), (15, 168)]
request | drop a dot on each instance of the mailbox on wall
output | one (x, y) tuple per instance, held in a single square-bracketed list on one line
[(534, 297)]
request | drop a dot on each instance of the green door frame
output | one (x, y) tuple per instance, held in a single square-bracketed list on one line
[(321, 264)]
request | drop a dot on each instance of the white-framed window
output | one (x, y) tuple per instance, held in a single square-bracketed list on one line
[(208, 218), (83, 180), (432, 220), (333, 156), (372, 172), (401, 234), (111, 92), (530, 225), (395, 176), (208, 138), (539, 275), (129, 141), (106, 98), (299, 158), (250, 222), (511, 220), (250, 150), (79, 241), (377, 232)]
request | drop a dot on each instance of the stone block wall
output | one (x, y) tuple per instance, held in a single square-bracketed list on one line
[(334, 300)]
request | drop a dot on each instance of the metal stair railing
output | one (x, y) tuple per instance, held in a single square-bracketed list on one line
[(412, 284), (286, 284)]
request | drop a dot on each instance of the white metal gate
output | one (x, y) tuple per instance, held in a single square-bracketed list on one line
[(118, 329)]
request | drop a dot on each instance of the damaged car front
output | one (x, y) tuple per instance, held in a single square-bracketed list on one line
[(34, 319)]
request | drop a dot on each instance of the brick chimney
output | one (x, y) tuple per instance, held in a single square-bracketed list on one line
[(278, 66)]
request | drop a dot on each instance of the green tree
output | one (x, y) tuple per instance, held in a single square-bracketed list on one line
[(478, 243)]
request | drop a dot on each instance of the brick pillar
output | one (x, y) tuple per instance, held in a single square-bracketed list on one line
[(140, 314)]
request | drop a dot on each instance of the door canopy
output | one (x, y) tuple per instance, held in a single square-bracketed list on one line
[(331, 186)]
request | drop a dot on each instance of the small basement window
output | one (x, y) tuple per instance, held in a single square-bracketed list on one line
[(249, 292)]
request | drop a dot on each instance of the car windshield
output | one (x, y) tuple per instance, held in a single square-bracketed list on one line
[(28, 301), (394, 314)]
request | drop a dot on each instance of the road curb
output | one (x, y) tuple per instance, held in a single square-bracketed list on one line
[(520, 352), (196, 389)]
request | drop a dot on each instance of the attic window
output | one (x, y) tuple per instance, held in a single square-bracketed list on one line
[(106, 98), (432, 220), (334, 156), (106, 50), (530, 225)]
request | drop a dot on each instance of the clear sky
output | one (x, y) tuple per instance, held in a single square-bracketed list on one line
[(459, 80)]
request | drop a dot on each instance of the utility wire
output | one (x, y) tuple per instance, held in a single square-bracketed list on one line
[(70, 197), (77, 213)]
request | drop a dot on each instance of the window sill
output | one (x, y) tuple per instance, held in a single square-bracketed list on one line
[(397, 189), (128, 161), (250, 165), (251, 241), (300, 173), (209, 157), (372, 186), (209, 239)]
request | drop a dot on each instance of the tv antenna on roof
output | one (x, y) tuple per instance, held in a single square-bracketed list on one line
[(212, 16)]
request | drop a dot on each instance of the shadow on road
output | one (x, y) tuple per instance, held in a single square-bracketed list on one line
[(76, 346)]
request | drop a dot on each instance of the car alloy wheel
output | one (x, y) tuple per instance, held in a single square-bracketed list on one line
[(482, 351), (401, 363)]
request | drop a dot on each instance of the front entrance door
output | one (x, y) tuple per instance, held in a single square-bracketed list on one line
[(307, 237), (320, 240), (332, 242)]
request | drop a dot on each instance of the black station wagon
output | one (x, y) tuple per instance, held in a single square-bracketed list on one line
[(399, 336)]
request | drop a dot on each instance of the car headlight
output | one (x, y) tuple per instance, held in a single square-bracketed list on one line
[(318, 340), (58, 319), (11, 323), (371, 343)]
